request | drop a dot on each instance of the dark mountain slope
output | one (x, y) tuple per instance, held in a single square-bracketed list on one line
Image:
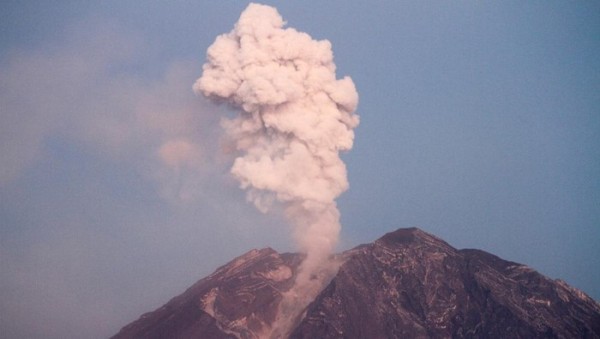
[(407, 284)]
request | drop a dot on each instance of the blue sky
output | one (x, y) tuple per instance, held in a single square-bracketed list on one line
[(479, 123)]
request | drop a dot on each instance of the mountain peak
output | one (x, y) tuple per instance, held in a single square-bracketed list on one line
[(404, 235), (412, 237), (418, 286)]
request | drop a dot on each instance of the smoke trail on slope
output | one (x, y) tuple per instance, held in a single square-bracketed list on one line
[(294, 119)]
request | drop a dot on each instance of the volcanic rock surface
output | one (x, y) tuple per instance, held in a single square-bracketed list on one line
[(407, 284)]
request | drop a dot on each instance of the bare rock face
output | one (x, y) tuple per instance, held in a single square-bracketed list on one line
[(407, 284), (239, 300)]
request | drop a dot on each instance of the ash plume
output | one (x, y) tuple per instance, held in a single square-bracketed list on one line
[(294, 118)]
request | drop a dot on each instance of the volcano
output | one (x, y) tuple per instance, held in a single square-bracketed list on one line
[(406, 284)]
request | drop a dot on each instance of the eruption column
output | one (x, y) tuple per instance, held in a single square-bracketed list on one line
[(294, 119)]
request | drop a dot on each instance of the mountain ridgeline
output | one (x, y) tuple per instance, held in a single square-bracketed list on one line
[(407, 284)]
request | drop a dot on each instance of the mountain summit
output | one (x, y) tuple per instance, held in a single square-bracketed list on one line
[(406, 284)]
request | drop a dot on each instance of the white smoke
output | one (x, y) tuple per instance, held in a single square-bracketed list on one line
[(294, 119)]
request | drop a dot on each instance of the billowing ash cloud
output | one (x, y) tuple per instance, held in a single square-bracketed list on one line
[(294, 119)]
